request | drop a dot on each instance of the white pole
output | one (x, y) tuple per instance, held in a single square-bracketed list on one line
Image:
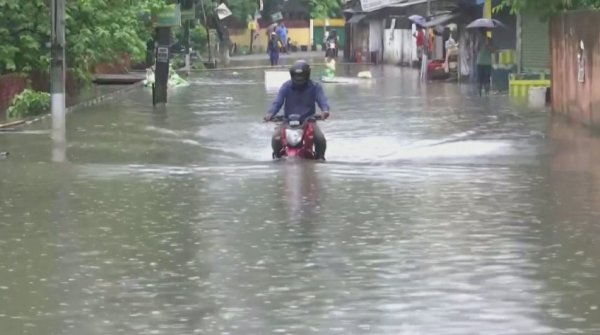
[(311, 32), (58, 80)]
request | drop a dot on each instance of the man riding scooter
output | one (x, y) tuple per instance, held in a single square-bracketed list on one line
[(298, 97), (331, 44)]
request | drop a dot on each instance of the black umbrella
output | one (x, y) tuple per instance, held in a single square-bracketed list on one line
[(486, 23)]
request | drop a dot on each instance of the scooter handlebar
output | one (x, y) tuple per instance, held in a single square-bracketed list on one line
[(281, 118)]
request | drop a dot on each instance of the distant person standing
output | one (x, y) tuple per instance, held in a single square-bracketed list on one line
[(484, 65), (282, 32), (273, 49)]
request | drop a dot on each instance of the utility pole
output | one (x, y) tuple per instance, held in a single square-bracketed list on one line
[(186, 41), (426, 51), (188, 7), (164, 22), (207, 31), (57, 84), (159, 89)]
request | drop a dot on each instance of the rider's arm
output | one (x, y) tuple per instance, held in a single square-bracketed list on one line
[(279, 100), (322, 99)]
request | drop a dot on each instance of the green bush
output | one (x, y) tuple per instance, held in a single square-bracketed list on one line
[(198, 38), (29, 103), (198, 66)]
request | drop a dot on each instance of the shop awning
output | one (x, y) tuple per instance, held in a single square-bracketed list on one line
[(408, 3), (369, 6), (440, 20), (356, 18)]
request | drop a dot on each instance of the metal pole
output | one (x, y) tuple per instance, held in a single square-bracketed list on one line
[(426, 51), (57, 84), (207, 30), (162, 65), (188, 65)]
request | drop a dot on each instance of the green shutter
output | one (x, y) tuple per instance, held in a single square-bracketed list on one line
[(318, 35), (535, 52), (341, 31)]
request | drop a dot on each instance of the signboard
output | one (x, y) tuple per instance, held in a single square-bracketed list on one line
[(223, 11), (162, 55), (370, 5), (188, 14), (276, 17), (170, 16)]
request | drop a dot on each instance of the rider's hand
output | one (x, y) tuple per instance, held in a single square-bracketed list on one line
[(268, 117), (325, 115)]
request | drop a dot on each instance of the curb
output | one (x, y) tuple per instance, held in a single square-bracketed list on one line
[(88, 103)]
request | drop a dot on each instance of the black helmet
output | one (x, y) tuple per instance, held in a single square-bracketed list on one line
[(300, 72)]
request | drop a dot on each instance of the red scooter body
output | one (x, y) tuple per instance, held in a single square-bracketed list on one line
[(305, 148)]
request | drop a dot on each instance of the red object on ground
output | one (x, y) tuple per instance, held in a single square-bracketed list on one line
[(435, 69), (435, 64)]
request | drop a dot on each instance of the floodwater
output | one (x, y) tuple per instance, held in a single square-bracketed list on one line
[(437, 212)]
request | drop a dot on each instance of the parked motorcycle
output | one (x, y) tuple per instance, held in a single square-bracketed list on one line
[(297, 136)]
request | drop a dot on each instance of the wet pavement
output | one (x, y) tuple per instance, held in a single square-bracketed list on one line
[(437, 212)]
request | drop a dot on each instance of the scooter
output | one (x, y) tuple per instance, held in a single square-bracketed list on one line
[(297, 136)]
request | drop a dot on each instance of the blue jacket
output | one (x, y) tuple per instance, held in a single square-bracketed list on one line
[(273, 46), (300, 101)]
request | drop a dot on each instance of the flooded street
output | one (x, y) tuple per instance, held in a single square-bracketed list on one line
[(437, 212)]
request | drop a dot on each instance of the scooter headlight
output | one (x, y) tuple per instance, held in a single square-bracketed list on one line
[(294, 136)]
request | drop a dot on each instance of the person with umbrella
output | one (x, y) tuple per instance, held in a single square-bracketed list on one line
[(485, 51), (419, 35), (484, 65)]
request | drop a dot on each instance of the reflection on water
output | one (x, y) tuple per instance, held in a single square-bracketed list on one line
[(436, 213)]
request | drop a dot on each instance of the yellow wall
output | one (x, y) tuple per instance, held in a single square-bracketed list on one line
[(240, 37), (299, 36), (332, 22)]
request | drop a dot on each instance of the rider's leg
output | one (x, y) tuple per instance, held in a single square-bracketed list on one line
[(320, 142), (276, 142)]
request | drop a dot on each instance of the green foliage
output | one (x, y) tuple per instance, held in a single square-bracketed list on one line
[(241, 9), (97, 31), (198, 38), (321, 9), (29, 103), (103, 30), (546, 8), (24, 31)]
